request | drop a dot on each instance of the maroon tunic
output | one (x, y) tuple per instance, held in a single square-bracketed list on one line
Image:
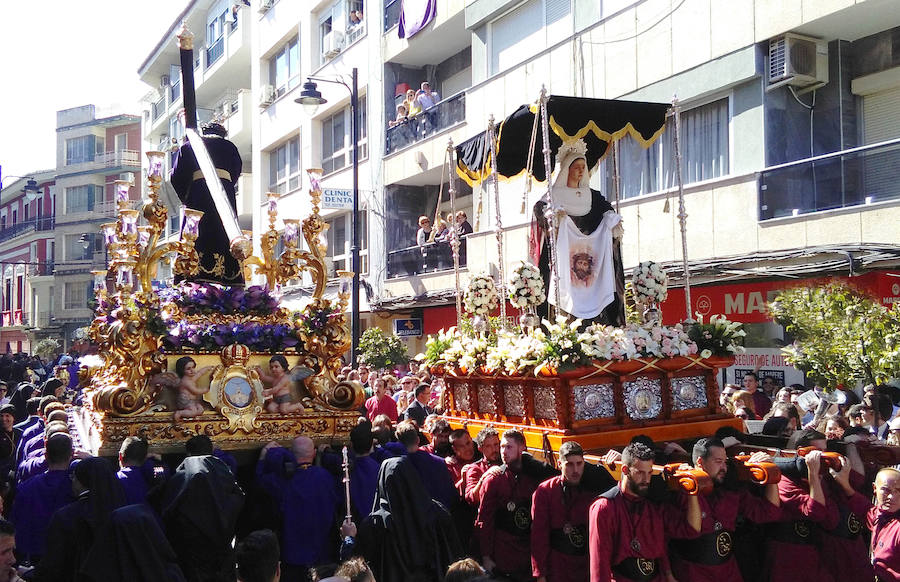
[(797, 562), (844, 549), (471, 474), (615, 523), (885, 543), (510, 548), (720, 511), (551, 510), (455, 466)]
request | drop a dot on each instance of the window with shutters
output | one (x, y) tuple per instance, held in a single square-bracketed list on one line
[(880, 113), (526, 30)]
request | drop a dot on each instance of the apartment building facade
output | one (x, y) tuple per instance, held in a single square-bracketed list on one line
[(222, 47), (50, 230), (787, 134)]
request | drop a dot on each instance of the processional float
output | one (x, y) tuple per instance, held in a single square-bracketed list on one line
[(144, 329), (541, 379)]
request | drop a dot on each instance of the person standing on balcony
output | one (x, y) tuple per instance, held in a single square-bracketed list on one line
[(428, 99), (424, 231)]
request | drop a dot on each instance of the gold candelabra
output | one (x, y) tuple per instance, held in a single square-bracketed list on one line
[(122, 328)]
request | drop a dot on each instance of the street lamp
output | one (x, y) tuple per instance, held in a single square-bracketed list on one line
[(310, 98), (31, 187)]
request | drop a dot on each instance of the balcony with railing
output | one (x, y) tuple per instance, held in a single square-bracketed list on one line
[(854, 177), (44, 269), (26, 226), (119, 158), (159, 108), (12, 317), (391, 13), (429, 258), (215, 51), (443, 115)]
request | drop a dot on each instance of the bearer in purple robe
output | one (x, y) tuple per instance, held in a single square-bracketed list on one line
[(38, 498), (308, 499)]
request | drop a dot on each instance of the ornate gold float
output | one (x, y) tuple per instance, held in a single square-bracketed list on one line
[(132, 387)]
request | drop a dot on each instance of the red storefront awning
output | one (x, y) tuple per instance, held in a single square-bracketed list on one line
[(746, 302)]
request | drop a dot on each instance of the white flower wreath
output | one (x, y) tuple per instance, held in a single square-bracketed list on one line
[(526, 288), (649, 283), (481, 296)]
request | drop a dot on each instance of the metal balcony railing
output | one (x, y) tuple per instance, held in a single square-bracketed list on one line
[(119, 158), (444, 114), (215, 51), (159, 108), (41, 269), (391, 13), (853, 177), (40, 224), (430, 258)]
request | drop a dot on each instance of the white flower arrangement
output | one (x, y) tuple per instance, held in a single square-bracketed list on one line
[(601, 342), (526, 288), (649, 283), (481, 296)]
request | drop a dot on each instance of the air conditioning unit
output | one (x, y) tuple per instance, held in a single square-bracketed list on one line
[(332, 44), (265, 5), (164, 81), (127, 176), (798, 61), (266, 95)]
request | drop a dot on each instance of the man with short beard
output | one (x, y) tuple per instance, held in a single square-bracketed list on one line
[(488, 441), (503, 525), (710, 557), (559, 528), (627, 539)]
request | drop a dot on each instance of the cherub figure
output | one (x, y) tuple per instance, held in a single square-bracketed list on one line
[(278, 395), (187, 400)]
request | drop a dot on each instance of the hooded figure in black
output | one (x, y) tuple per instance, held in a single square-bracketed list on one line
[(199, 506), (49, 387), (408, 535), (217, 265), (75, 527), (133, 549), (19, 398)]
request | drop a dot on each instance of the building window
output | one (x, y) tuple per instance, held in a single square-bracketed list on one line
[(121, 142), (83, 198), (284, 68), (215, 38), (284, 167), (83, 149), (75, 294), (339, 239), (336, 152), (526, 30), (704, 153), (74, 247)]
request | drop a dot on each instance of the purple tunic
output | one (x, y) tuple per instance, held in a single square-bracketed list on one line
[(134, 484), (308, 501), (36, 501), (33, 466)]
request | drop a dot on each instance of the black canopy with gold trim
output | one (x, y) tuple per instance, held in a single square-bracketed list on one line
[(597, 121)]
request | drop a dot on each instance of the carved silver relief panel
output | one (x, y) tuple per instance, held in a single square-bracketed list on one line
[(514, 400), (461, 396), (544, 402), (643, 399), (594, 401), (487, 403), (689, 392)]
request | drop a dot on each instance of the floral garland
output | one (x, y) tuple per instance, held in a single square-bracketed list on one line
[(561, 346), (526, 287), (203, 337), (649, 283), (209, 298), (481, 296)]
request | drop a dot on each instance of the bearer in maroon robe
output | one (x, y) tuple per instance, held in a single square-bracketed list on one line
[(559, 526), (793, 550), (627, 532), (488, 441), (503, 525), (463, 454), (883, 520), (710, 557)]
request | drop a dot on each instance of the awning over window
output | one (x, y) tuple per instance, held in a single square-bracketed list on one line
[(598, 121)]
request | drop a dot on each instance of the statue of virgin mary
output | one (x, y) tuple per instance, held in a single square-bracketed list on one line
[(588, 244)]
